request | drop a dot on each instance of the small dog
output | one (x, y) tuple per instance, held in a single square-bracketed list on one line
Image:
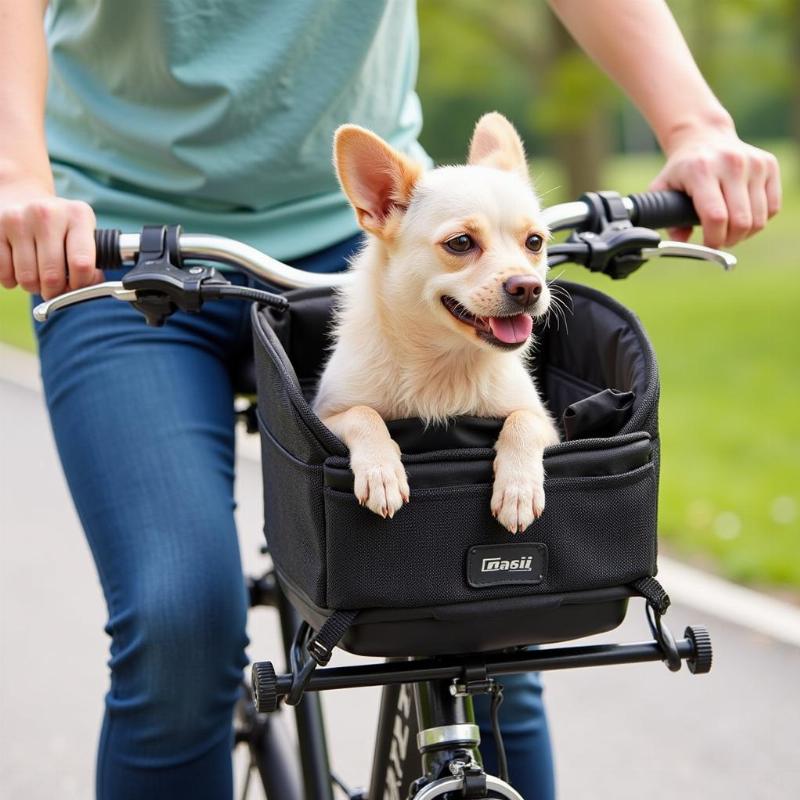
[(438, 318)]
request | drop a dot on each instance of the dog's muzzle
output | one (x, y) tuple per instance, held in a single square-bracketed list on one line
[(508, 331)]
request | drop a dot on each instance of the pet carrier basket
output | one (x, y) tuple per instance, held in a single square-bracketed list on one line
[(443, 576)]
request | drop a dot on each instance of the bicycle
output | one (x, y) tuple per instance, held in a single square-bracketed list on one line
[(427, 697)]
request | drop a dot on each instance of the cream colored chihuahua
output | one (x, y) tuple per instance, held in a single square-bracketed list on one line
[(438, 318)]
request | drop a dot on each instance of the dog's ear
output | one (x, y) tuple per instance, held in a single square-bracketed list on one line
[(377, 180), (496, 143)]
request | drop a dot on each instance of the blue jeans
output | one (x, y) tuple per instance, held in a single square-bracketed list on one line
[(143, 421)]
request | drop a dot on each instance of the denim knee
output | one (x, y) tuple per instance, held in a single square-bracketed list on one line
[(523, 703), (177, 657)]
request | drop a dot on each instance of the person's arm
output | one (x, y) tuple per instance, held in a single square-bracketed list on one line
[(735, 187), (39, 233)]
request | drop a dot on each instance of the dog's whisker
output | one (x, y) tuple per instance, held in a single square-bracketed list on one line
[(561, 311), (552, 315), (557, 310), (558, 289), (561, 304), (562, 293), (545, 192), (561, 301)]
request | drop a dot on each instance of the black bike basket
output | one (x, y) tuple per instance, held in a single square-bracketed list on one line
[(443, 576)]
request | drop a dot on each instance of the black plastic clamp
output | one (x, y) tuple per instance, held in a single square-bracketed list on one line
[(663, 636), (613, 245), (474, 680), (319, 648), (474, 782), (161, 286)]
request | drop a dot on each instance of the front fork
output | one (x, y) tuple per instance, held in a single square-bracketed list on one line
[(447, 730), (429, 729)]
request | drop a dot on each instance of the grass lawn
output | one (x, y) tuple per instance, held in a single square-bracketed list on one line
[(729, 352), (15, 319)]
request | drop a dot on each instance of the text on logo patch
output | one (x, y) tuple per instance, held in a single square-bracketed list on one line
[(498, 564)]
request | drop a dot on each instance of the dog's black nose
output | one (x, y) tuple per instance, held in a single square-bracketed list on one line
[(523, 289)]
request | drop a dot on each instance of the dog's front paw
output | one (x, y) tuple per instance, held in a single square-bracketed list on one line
[(381, 485), (517, 502)]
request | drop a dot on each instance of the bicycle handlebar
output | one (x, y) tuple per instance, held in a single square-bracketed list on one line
[(612, 234), (647, 209), (115, 248)]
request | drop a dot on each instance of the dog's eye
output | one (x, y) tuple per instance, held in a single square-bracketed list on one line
[(534, 243), (460, 244)]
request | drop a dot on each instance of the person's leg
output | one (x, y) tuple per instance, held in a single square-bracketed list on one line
[(523, 725), (144, 426)]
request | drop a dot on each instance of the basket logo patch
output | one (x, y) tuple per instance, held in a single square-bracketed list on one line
[(506, 564)]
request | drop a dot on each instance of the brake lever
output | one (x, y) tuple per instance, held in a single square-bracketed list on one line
[(113, 289), (668, 249)]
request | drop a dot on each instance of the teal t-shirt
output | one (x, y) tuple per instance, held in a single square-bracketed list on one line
[(219, 114)]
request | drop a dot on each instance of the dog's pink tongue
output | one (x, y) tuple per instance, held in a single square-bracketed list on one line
[(511, 330)]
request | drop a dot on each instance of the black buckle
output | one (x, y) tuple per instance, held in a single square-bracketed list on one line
[(162, 286), (318, 651)]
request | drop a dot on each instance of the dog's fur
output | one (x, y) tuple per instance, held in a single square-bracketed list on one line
[(400, 351)]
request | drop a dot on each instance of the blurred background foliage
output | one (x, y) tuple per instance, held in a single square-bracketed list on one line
[(514, 56), (728, 345)]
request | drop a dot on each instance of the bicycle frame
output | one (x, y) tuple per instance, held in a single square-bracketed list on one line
[(393, 766)]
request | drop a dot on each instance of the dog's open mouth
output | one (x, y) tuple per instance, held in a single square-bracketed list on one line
[(509, 331)]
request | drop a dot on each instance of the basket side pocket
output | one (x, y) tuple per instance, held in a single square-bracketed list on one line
[(294, 517)]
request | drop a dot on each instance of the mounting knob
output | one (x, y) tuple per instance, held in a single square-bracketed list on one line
[(265, 686), (700, 662)]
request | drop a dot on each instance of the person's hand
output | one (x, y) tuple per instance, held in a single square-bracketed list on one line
[(46, 242), (736, 187)]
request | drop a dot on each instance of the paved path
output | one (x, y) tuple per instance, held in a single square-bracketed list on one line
[(619, 732)]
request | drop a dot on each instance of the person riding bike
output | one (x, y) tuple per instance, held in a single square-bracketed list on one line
[(219, 115)]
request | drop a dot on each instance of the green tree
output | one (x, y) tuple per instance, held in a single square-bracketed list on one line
[(574, 111), (515, 57)]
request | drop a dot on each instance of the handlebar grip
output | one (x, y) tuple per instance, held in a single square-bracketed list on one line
[(106, 242), (665, 209)]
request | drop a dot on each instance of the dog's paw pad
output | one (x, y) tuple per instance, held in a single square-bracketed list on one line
[(382, 488), (515, 505)]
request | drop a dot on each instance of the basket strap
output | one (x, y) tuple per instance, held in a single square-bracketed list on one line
[(654, 593), (330, 634)]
